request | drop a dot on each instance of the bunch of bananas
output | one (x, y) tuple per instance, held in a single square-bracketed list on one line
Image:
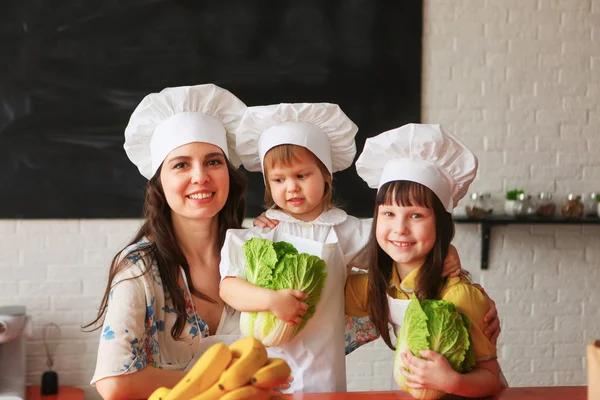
[(240, 371)]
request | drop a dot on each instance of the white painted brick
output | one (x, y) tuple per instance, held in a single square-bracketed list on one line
[(59, 318), (576, 158), (33, 241), (554, 101), (511, 143), (558, 116), (592, 172), (9, 288), (75, 303), (6, 273), (519, 117), (547, 309), (110, 225), (516, 379), (56, 272), (562, 364), (67, 255), (87, 240), (440, 12), (557, 337), (59, 288), (518, 296), (581, 62), (499, 101), (504, 29), (511, 88), (464, 29), (571, 186), (516, 365), (562, 172), (517, 351), (29, 227), (516, 337), (547, 144), (569, 350), (570, 378), (9, 257), (521, 46), (8, 227), (30, 272), (359, 369), (478, 71)]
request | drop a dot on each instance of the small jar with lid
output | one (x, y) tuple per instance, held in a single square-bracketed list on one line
[(545, 205), (476, 207), (527, 206), (573, 207), (590, 204)]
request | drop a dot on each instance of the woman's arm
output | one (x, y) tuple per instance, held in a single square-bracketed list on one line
[(434, 372), (137, 385), (286, 304)]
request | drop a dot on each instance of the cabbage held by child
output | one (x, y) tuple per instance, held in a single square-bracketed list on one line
[(434, 325), (278, 265)]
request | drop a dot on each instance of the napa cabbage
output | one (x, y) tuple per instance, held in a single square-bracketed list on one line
[(434, 325), (278, 265)]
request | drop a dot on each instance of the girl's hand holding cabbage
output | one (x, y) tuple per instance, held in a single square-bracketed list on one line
[(278, 266), (288, 306), (434, 326)]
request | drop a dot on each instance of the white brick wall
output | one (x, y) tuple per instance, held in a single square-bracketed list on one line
[(519, 81)]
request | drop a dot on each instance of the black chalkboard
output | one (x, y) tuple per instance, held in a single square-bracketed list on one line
[(72, 71)]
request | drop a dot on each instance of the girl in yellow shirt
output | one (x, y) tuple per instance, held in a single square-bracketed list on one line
[(421, 172)]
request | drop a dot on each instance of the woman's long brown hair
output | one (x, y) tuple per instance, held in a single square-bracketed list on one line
[(429, 278), (164, 248)]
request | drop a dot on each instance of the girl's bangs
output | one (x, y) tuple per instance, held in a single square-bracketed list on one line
[(405, 194)]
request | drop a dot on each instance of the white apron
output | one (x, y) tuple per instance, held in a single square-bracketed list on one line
[(316, 354)]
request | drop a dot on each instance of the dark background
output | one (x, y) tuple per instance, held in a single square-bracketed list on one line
[(72, 71)]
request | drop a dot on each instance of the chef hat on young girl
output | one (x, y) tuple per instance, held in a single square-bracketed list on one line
[(178, 116), (426, 154), (322, 128)]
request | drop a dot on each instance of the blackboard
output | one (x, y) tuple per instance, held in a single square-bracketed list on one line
[(72, 71)]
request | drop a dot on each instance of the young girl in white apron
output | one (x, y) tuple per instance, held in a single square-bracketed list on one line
[(421, 172)]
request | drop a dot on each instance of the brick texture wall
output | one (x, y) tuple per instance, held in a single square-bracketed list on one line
[(519, 82)]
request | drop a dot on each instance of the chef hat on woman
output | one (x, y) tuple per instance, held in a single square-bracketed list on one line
[(178, 116), (322, 128), (426, 154)]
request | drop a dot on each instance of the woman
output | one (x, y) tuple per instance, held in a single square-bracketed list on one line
[(161, 302)]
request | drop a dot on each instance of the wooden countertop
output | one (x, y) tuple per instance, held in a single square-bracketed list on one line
[(519, 393)]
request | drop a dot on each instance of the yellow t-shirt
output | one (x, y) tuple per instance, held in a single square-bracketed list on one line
[(459, 291)]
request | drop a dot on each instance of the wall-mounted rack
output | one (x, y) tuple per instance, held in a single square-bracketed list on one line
[(488, 222)]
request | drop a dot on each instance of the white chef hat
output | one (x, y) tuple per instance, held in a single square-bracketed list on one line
[(322, 128), (178, 116), (426, 154)]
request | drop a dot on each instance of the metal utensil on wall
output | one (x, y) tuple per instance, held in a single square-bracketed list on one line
[(50, 378)]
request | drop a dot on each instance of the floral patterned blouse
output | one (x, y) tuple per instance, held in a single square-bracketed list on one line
[(138, 321)]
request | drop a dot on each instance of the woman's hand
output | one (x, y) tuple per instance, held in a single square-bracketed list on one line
[(432, 371), (284, 386), (452, 266), (287, 305), (490, 319), (263, 222)]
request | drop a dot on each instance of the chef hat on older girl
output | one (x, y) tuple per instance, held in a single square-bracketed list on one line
[(178, 116), (426, 154), (322, 128)]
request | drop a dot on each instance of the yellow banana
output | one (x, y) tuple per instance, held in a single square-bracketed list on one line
[(252, 356), (247, 392), (273, 374), (160, 394), (203, 374), (213, 393)]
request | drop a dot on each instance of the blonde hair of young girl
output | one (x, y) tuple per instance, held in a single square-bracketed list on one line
[(285, 155)]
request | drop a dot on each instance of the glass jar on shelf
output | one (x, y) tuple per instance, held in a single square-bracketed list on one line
[(545, 205), (590, 204), (526, 206), (573, 207), (476, 207)]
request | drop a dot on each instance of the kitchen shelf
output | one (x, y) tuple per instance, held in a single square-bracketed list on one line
[(492, 220)]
